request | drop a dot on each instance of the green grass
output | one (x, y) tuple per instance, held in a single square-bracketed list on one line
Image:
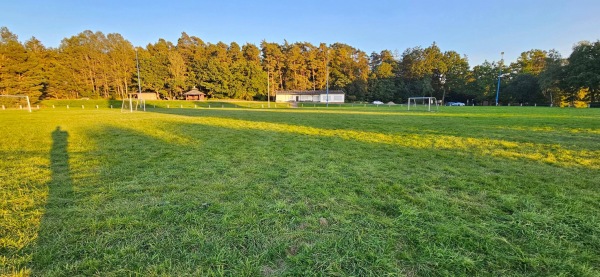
[(161, 104), (348, 191)]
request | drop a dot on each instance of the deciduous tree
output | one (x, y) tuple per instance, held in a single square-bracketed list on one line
[(583, 69)]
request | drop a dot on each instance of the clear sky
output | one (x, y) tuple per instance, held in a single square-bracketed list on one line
[(480, 29)]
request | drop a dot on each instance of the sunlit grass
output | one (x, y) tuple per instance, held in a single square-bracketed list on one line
[(552, 129), (549, 153), (554, 154), (445, 112), (343, 191), (78, 104)]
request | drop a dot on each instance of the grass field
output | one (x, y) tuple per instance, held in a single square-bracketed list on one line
[(350, 191)]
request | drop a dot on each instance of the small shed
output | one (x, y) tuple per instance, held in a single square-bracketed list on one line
[(194, 94)]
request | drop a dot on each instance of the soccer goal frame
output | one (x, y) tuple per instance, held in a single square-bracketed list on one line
[(18, 96), (127, 105), (428, 102)]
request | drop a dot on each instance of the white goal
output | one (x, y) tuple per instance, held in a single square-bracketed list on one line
[(133, 103), (15, 102), (423, 104)]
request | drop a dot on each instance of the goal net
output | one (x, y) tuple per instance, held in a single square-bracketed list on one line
[(423, 104), (15, 102), (133, 103)]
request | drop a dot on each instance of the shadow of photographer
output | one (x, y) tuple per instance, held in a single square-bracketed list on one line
[(52, 232)]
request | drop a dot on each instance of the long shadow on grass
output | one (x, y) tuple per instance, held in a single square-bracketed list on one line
[(571, 133), (473, 194), (179, 104), (249, 202), (550, 153), (160, 208), (223, 204), (60, 199), (77, 103)]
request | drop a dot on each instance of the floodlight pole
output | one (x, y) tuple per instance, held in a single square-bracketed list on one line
[(499, 76), (137, 62), (327, 87), (327, 78)]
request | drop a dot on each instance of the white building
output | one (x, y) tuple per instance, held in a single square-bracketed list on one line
[(146, 95), (319, 96)]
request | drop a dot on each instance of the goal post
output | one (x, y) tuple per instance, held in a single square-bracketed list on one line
[(132, 103), (423, 104), (15, 102)]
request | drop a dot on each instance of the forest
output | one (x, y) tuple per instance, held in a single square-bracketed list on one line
[(98, 66)]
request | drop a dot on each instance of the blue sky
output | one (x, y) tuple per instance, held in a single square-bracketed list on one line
[(478, 29)]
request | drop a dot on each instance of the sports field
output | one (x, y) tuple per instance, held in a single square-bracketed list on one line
[(341, 191)]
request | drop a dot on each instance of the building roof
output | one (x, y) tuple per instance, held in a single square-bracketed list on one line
[(307, 92), (194, 91)]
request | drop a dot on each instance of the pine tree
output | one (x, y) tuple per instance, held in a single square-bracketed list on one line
[(21, 66)]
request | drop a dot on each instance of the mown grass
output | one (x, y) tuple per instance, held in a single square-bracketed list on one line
[(358, 191), (160, 104)]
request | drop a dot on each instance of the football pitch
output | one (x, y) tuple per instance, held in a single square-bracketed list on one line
[(341, 191)]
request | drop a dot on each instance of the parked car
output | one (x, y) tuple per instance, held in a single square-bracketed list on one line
[(377, 102), (455, 104)]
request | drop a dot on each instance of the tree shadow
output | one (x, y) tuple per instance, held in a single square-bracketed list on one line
[(60, 199), (471, 143), (519, 128), (203, 208), (213, 104)]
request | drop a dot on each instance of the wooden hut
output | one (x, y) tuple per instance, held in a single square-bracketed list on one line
[(194, 94)]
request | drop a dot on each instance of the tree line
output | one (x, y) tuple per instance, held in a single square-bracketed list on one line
[(95, 65)]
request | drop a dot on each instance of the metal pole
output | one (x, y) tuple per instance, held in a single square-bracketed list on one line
[(327, 78), (268, 88), (138, 71), (327, 87), (499, 75), (137, 62)]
